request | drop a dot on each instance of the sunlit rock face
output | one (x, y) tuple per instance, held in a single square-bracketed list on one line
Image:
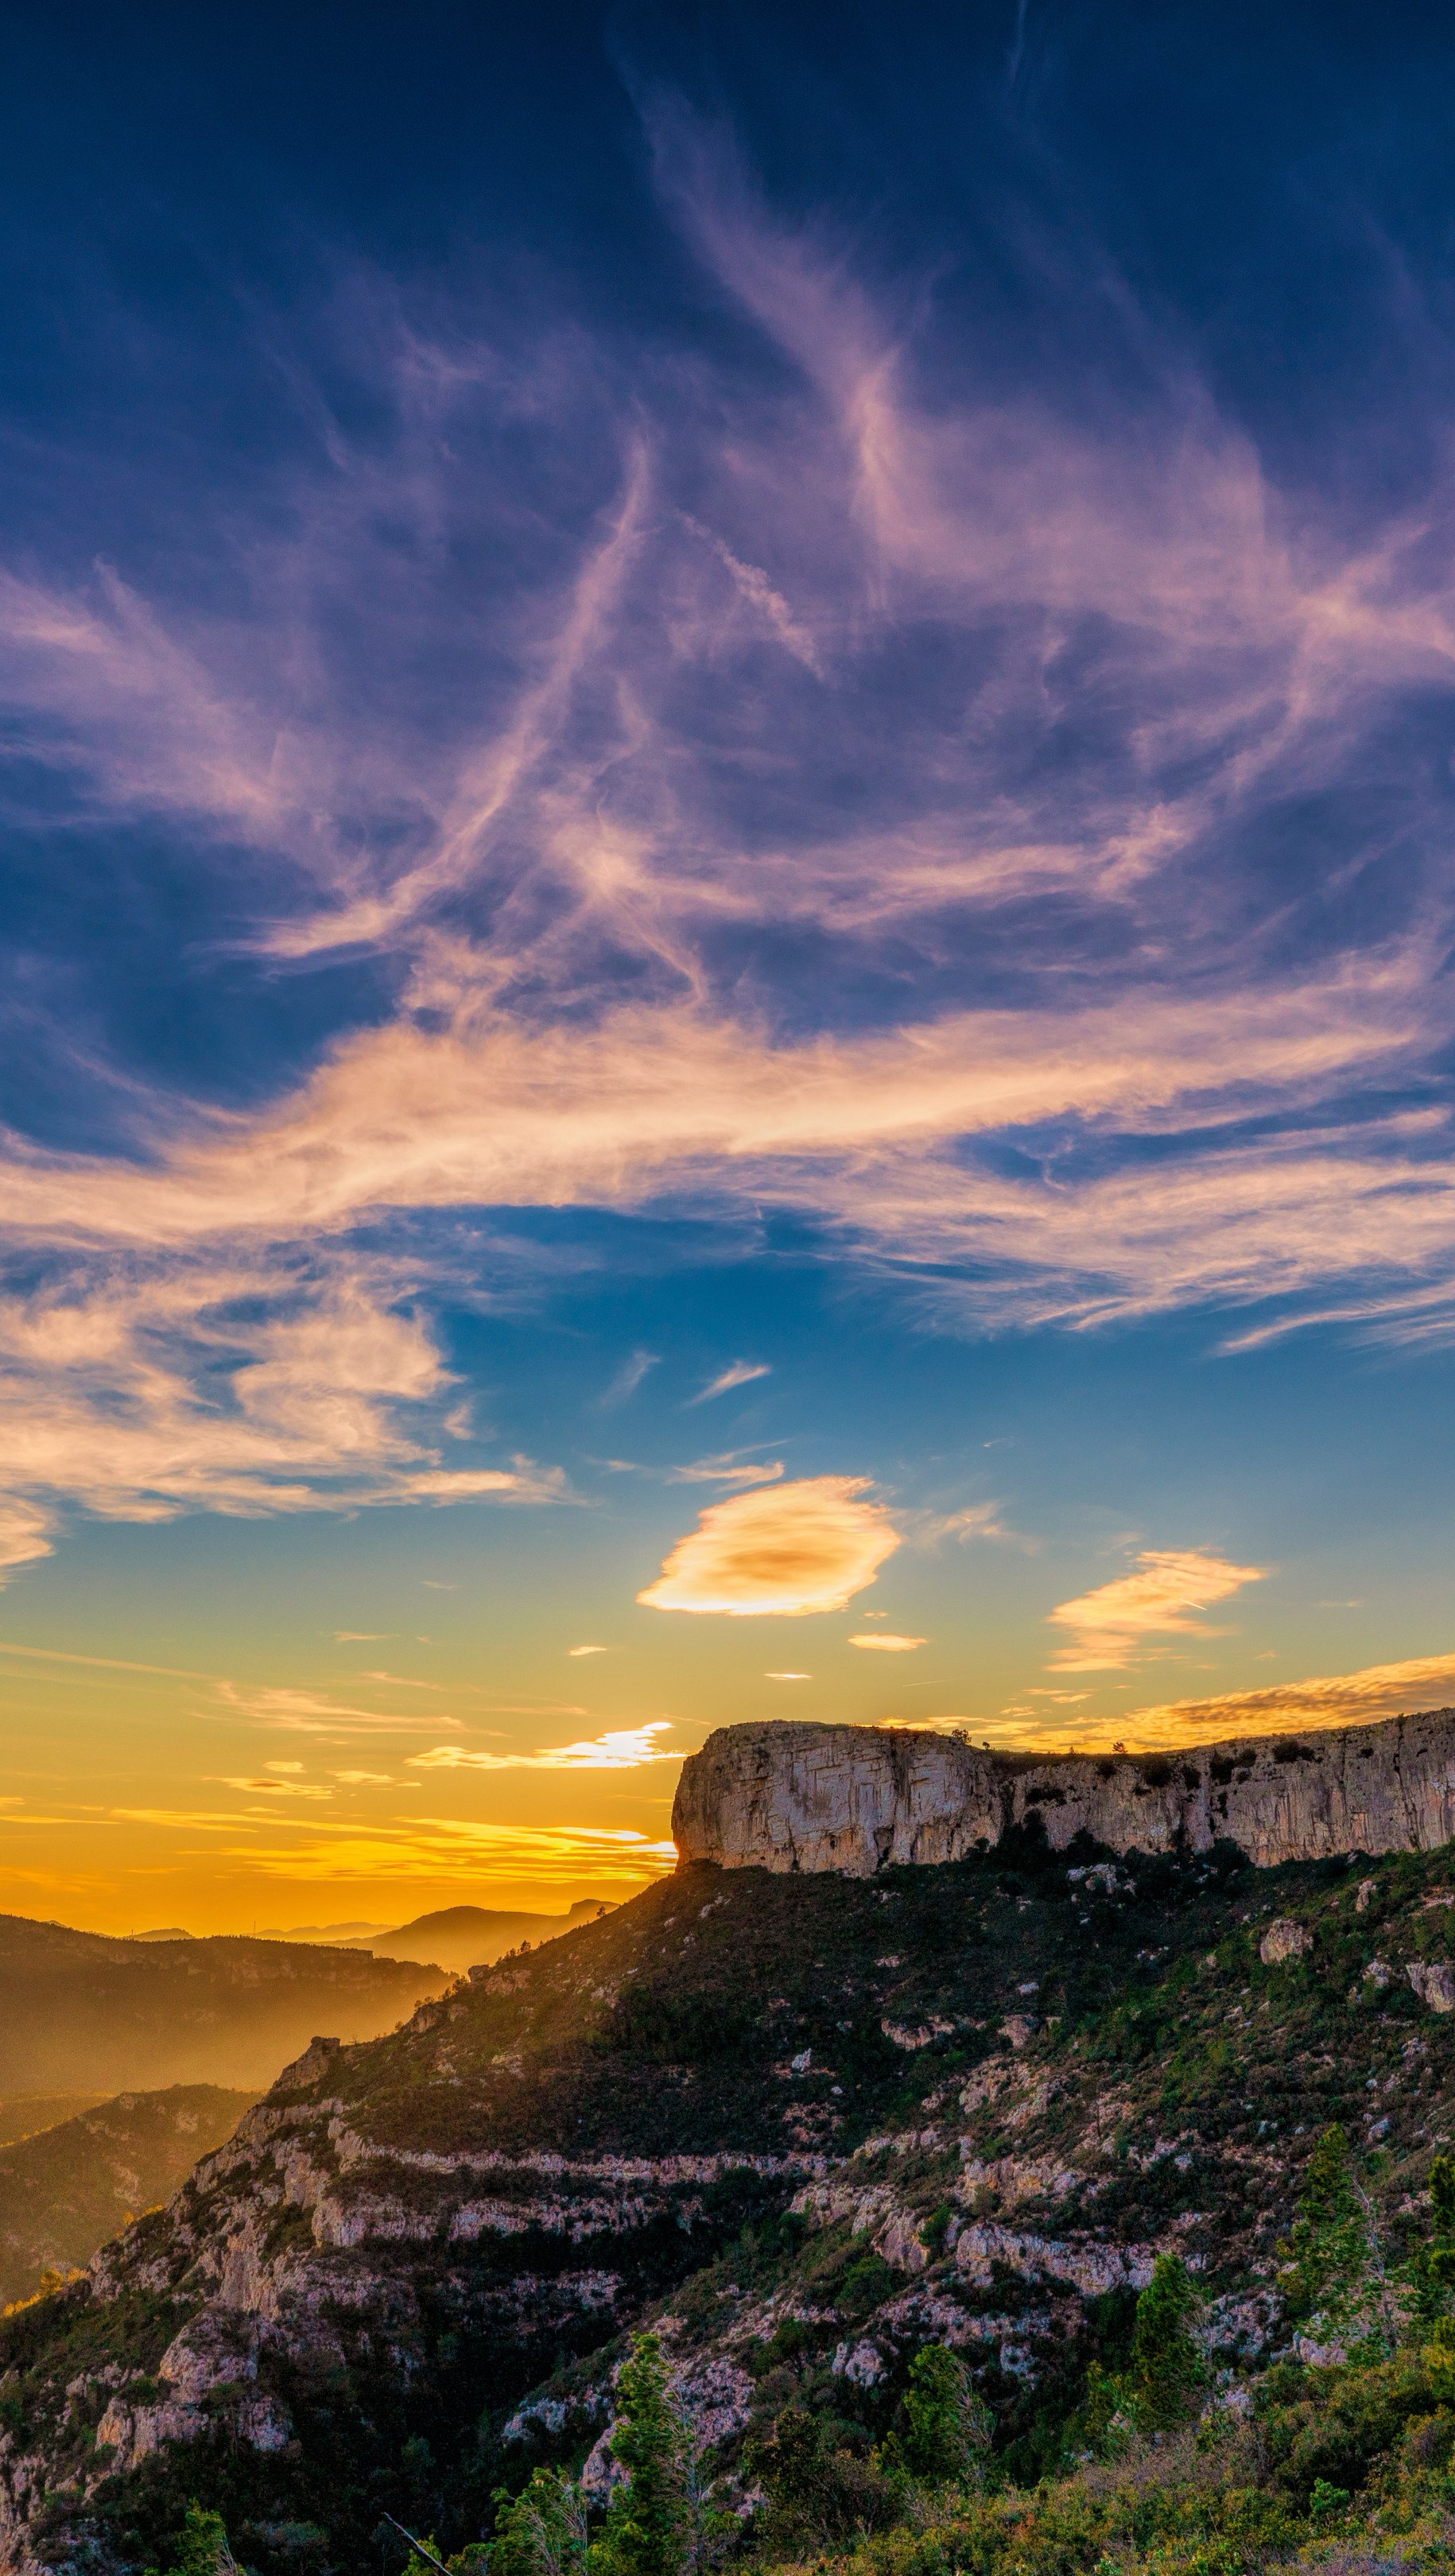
[(859, 1799)]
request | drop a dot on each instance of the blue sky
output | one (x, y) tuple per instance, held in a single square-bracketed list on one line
[(725, 831)]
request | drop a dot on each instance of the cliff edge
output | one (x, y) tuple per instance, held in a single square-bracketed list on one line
[(791, 1797)]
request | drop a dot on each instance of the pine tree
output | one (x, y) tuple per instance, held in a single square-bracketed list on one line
[(202, 2549), (1168, 2370), (1440, 2258), (541, 2531), (1334, 2268), (817, 2488), (649, 2521), (946, 2426)]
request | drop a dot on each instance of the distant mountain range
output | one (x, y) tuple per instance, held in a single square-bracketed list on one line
[(65, 2189), (805, 2124), (470, 1936), (458, 1937), (21, 2114), (84, 2014)]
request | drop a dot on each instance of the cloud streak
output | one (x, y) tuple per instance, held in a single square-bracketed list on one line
[(1119, 1623), (624, 1749), (1318, 1701), (738, 1373)]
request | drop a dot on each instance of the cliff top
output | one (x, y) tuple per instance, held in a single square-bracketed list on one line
[(790, 1795)]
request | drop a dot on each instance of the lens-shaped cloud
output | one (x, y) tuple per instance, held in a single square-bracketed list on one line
[(883, 1642), (1112, 1625), (783, 1552)]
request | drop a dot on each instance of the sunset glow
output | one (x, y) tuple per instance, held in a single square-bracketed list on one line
[(726, 847)]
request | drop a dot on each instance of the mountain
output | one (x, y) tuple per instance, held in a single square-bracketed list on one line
[(790, 1796), (66, 2189), (21, 2114), (806, 2121), (79, 2011), (467, 1936)]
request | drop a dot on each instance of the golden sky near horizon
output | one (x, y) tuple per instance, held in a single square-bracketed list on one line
[(391, 1777)]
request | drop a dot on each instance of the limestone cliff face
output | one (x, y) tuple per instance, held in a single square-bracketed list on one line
[(857, 1799)]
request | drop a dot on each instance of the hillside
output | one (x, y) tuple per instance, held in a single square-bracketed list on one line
[(461, 1937), (21, 2114), (66, 2189), (809, 2123), (82, 2013)]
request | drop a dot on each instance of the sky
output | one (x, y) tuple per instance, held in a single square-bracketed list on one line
[(727, 788)]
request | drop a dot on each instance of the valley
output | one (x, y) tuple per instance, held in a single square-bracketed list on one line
[(66, 2187), (805, 2124), (84, 2014)]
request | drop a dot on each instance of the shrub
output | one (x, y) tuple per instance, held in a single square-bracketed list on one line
[(818, 2490)]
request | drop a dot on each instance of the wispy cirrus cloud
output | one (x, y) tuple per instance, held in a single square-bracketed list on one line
[(140, 1396), (1320, 1700), (1326, 1699), (733, 1467), (588, 892), (738, 1373)]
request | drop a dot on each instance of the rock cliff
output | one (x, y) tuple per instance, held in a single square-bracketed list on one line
[(858, 1799), (804, 2123)]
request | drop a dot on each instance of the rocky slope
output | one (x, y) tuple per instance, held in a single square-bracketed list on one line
[(79, 2011), (806, 2121), (857, 1799), (64, 2190)]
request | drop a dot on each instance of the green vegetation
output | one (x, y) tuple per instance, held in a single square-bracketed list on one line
[(1171, 2274), (66, 2189)]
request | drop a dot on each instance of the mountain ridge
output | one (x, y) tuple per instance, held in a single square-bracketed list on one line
[(794, 1796), (803, 2122), (65, 2188), (83, 2011)]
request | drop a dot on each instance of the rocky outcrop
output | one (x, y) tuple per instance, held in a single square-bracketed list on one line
[(423, 2253), (857, 1799)]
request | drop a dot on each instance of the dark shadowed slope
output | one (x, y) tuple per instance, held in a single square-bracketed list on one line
[(65, 2190), (81, 2012)]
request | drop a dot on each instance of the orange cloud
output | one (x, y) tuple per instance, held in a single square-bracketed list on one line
[(1111, 1625), (784, 1551), (432, 1847), (620, 1751), (1327, 1699), (1322, 1700), (882, 1642)]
